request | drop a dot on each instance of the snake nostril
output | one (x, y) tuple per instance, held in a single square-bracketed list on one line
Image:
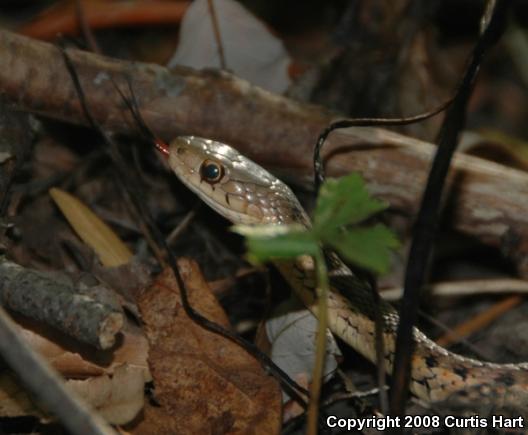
[(180, 151)]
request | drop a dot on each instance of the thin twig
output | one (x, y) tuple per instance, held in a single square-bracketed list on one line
[(319, 171), (181, 227), (85, 28), (465, 288), (114, 155), (217, 35), (428, 215), (479, 321), (380, 348)]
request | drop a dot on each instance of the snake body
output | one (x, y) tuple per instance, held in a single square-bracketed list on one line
[(244, 192)]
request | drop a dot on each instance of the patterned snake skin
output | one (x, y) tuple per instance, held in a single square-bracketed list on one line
[(244, 192)]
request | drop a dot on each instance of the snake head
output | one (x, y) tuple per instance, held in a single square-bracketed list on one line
[(234, 186)]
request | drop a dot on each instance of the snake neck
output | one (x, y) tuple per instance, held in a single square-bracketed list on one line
[(244, 192)]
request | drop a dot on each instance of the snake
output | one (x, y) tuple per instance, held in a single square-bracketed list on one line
[(245, 193)]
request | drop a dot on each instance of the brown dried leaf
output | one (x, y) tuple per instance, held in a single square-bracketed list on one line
[(204, 382), (75, 360), (14, 401), (91, 229), (110, 381), (156, 421), (117, 398)]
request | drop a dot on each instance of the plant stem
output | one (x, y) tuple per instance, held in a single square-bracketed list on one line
[(322, 315)]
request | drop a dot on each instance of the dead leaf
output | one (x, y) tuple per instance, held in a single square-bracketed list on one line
[(14, 400), (111, 381), (91, 229), (203, 382), (251, 51), (155, 421), (76, 360), (291, 332), (118, 398)]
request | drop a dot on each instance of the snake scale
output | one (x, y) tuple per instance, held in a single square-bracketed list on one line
[(244, 192)]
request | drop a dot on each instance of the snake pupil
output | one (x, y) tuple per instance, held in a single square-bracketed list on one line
[(211, 172)]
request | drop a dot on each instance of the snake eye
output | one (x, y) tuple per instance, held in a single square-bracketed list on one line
[(211, 172)]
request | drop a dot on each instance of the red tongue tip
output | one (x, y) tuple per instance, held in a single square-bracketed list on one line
[(162, 147)]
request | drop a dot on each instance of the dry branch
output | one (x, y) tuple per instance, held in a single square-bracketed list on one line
[(85, 314), (489, 201)]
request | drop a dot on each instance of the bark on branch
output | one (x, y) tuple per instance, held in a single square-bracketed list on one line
[(489, 201), (87, 314)]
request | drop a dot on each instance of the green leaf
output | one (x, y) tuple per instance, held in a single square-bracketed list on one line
[(344, 201), (277, 242), (368, 247)]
